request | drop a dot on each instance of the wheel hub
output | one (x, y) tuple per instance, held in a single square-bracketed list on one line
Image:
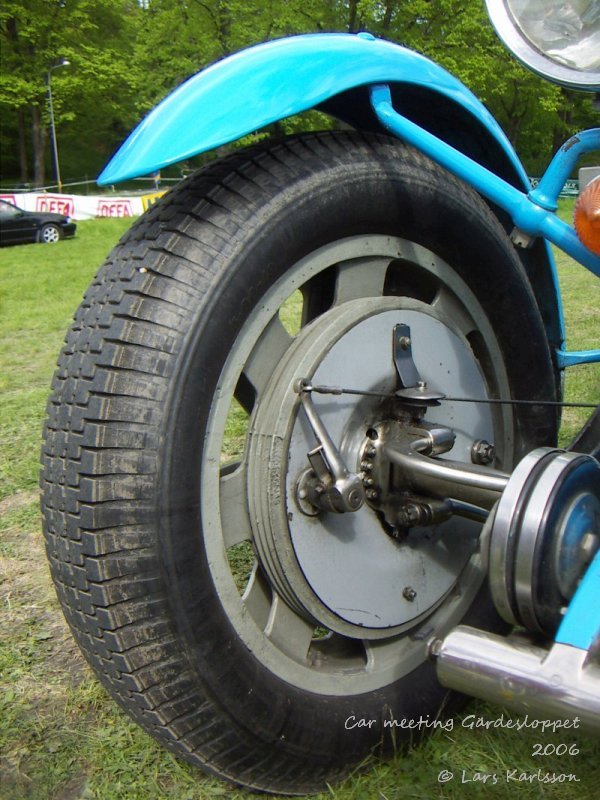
[(344, 571), (544, 533)]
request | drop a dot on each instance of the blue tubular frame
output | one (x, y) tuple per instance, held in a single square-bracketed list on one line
[(564, 162), (529, 216), (532, 213)]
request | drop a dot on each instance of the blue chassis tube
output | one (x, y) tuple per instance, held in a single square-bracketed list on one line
[(533, 213)]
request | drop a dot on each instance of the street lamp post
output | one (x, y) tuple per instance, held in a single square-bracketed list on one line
[(63, 63)]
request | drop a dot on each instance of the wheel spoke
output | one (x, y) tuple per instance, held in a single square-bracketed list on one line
[(385, 653), (288, 631), (257, 597), (269, 350), (447, 302), (360, 277), (234, 508)]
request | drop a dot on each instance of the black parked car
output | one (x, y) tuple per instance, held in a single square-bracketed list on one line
[(18, 226)]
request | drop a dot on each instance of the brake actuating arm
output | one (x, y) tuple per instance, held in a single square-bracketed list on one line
[(329, 486)]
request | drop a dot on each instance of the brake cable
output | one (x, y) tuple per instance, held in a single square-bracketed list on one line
[(337, 390)]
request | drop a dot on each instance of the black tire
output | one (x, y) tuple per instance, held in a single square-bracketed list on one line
[(50, 234), (128, 428)]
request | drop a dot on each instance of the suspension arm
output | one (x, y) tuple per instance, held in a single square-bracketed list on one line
[(470, 483)]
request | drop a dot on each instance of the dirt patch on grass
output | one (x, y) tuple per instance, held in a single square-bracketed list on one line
[(16, 501), (32, 621), (49, 692)]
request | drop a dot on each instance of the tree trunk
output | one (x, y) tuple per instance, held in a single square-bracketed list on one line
[(23, 161), (223, 20), (352, 13), (38, 135), (564, 114), (387, 18)]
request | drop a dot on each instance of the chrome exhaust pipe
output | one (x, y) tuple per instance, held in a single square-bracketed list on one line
[(560, 683)]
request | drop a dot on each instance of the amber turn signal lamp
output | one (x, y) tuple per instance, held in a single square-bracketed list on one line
[(587, 216)]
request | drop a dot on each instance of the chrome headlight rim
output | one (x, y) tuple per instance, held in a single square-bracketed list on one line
[(513, 36)]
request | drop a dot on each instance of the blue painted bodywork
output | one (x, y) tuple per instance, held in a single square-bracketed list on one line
[(263, 84), (580, 626), (331, 72), (266, 83)]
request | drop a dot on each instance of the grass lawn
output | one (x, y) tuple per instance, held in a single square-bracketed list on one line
[(61, 736)]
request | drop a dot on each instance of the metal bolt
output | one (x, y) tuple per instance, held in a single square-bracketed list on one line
[(369, 482), (482, 452), (366, 466), (410, 514), (372, 494), (408, 593), (404, 342), (355, 499), (319, 488), (371, 451), (402, 520)]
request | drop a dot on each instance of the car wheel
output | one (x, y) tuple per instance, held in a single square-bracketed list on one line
[(50, 234), (270, 646)]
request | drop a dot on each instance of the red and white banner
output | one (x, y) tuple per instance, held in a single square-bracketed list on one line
[(80, 207)]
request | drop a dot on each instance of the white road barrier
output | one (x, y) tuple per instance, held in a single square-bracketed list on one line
[(80, 207)]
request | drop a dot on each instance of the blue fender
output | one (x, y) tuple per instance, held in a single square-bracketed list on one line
[(332, 72), (266, 83)]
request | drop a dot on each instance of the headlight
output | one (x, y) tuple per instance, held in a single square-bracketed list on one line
[(558, 39)]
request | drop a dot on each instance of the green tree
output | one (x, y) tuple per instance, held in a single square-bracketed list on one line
[(95, 36), (126, 55)]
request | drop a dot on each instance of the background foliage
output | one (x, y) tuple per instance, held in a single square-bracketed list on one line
[(125, 55)]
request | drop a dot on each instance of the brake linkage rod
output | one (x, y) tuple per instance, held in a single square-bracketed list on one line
[(337, 390)]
